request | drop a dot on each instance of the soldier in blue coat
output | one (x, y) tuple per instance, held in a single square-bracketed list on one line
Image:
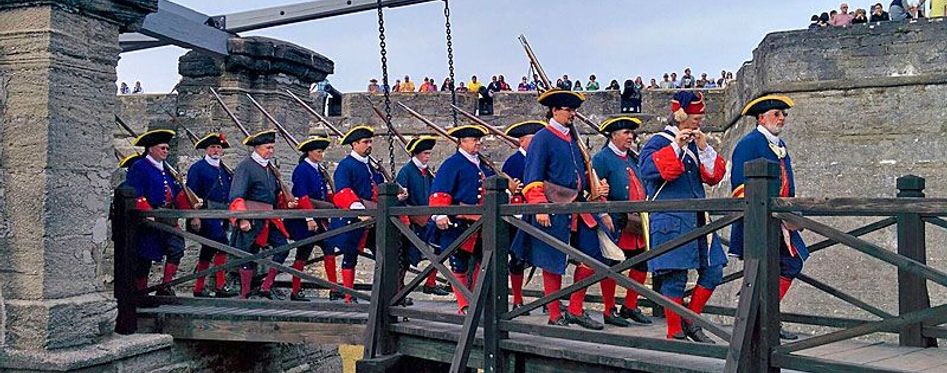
[(311, 188), (764, 142), (156, 189), (209, 181), (356, 183), (416, 177), (515, 167), (460, 182), (675, 164), (555, 172), (617, 163), (255, 187)]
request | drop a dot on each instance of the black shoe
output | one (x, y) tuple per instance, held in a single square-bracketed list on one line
[(446, 288), (335, 295), (787, 335), (354, 300), (696, 333), (583, 320), (561, 321), (679, 336), (265, 294), (406, 302), (462, 311), (165, 291), (634, 314), (202, 294), (298, 297), (225, 292), (612, 318), (434, 290), (515, 306), (657, 312)]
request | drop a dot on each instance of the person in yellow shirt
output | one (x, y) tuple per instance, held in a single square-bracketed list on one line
[(938, 8), (408, 85), (474, 85)]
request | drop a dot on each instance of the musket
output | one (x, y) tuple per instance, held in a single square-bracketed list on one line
[(279, 180), (192, 197), (195, 140), (398, 134), (513, 143), (443, 133), (291, 140), (325, 121), (586, 159)]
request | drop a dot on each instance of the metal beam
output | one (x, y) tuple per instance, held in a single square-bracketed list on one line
[(181, 26)]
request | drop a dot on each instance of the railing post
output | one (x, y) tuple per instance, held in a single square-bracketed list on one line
[(912, 243), (124, 224), (496, 237), (378, 341), (756, 332)]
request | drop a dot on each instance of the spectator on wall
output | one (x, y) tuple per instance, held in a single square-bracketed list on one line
[(448, 85), (630, 98), (878, 14), (844, 17), (861, 16), (577, 86), (666, 83), (613, 86), (824, 19), (504, 86), (373, 85), (674, 82), (710, 84), (124, 90), (687, 81), (832, 15), (702, 82), (397, 87), (592, 85), (654, 84), (408, 85), (814, 22), (538, 83), (523, 86), (566, 83), (474, 85), (137, 88), (485, 101), (462, 87), (426, 86), (494, 85)]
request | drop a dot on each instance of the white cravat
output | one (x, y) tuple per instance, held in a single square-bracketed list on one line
[(259, 159), (562, 129), (358, 205), (470, 157), (522, 151), (311, 163), (358, 157), (421, 166), (619, 152), (158, 164), (213, 162), (773, 139)]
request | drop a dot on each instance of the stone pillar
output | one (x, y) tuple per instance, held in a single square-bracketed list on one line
[(57, 62), (263, 67)]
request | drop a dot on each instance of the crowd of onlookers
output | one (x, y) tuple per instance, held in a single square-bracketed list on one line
[(898, 10), (124, 90)]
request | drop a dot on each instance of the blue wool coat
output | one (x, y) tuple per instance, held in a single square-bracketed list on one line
[(151, 188), (755, 146), (618, 170), (418, 184), (662, 169), (458, 182), (211, 184), (555, 158), (354, 181), (308, 183)]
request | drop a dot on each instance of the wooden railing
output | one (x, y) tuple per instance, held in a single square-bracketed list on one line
[(751, 344)]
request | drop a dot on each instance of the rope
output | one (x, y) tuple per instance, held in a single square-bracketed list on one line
[(450, 60), (386, 88)]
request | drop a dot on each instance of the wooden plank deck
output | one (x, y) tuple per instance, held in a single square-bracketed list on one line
[(433, 337)]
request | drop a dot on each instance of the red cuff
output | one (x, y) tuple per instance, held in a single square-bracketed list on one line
[(181, 202), (440, 199), (535, 192), (237, 205), (344, 198), (404, 219), (517, 199), (667, 163), (281, 201), (720, 167), (304, 203), (142, 204)]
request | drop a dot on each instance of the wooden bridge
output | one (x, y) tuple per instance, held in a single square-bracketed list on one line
[(431, 336)]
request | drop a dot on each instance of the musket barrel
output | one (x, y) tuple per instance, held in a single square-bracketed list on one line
[(507, 139)]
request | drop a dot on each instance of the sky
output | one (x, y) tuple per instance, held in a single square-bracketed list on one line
[(612, 39)]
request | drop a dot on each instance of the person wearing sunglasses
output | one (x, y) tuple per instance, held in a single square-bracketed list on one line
[(764, 143)]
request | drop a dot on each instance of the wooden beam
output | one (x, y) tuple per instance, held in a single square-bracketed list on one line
[(179, 25), (422, 275), (861, 206), (481, 291), (429, 254), (255, 331), (815, 364)]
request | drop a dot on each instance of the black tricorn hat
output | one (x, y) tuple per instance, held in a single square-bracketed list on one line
[(524, 128), (618, 123), (260, 138), (154, 137), (420, 144), (357, 133), (767, 103), (468, 130), (213, 138), (561, 98), (313, 143)]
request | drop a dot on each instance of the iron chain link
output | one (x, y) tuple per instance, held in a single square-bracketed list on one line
[(450, 60), (386, 88)]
